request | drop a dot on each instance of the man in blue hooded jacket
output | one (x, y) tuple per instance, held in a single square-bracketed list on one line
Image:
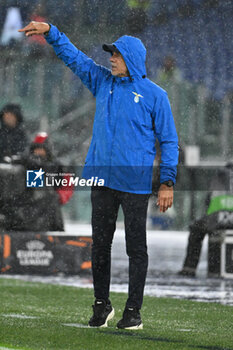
[(131, 112)]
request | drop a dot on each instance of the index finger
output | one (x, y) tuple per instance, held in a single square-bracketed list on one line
[(25, 29)]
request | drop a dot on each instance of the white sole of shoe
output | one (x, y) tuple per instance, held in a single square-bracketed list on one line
[(140, 326), (110, 316)]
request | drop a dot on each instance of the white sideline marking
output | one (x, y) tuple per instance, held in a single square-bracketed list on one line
[(78, 325), (19, 316), (184, 330)]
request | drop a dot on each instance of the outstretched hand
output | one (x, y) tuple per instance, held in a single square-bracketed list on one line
[(165, 197), (35, 28)]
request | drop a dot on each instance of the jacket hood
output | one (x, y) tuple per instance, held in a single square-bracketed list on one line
[(14, 109), (134, 54)]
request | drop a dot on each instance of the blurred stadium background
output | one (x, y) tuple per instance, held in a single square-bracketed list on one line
[(197, 35)]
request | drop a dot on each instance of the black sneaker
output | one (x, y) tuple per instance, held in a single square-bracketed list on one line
[(131, 319), (102, 313)]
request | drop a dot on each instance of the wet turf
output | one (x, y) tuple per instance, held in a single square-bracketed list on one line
[(43, 316)]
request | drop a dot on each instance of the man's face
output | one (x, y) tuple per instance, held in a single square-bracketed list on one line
[(10, 120), (40, 152), (119, 67)]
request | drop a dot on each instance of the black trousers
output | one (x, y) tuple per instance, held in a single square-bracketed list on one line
[(105, 206)]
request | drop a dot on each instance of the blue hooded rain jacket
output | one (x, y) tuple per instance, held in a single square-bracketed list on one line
[(131, 112)]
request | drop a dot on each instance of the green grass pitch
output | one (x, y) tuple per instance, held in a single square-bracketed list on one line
[(43, 316)]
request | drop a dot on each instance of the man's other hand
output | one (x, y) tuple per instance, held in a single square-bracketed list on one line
[(35, 28), (165, 197)]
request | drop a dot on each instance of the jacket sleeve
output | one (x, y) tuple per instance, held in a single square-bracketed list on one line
[(90, 73), (166, 133)]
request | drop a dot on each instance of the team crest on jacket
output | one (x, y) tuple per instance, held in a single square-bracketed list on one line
[(136, 98)]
